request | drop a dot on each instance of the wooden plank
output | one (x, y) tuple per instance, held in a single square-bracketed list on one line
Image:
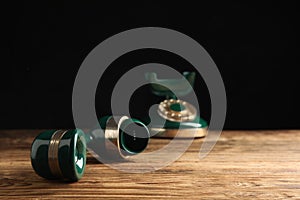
[(243, 165)]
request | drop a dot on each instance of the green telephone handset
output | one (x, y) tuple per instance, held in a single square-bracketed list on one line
[(181, 118), (61, 154)]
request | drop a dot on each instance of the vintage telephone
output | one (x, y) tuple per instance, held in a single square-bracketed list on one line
[(174, 111), (61, 154)]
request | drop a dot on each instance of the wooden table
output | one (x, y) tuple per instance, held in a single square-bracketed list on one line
[(242, 165)]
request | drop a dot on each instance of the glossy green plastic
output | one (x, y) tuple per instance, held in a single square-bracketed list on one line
[(177, 107), (133, 135), (71, 155), (182, 88), (163, 87)]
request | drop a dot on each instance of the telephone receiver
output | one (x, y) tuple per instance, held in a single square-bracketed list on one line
[(61, 154), (181, 117)]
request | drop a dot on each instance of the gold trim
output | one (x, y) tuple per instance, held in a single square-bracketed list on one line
[(53, 153), (179, 133), (111, 132), (165, 111)]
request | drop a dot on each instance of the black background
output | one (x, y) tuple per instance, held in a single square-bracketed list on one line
[(44, 43)]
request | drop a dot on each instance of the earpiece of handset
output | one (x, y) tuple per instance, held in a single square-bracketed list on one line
[(124, 137), (61, 154)]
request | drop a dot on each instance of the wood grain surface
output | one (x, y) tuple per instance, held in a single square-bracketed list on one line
[(242, 165)]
